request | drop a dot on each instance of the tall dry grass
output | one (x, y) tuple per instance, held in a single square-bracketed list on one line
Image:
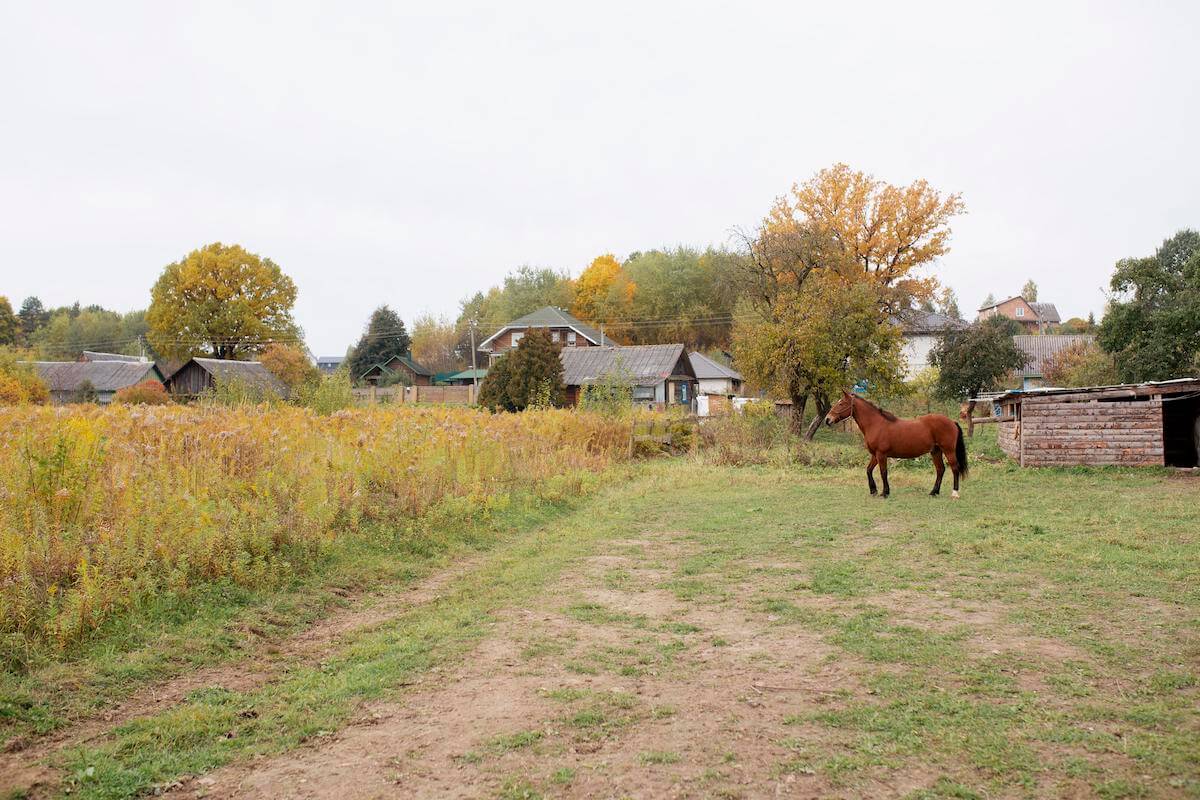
[(101, 508)]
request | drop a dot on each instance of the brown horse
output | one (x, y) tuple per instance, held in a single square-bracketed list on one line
[(888, 436)]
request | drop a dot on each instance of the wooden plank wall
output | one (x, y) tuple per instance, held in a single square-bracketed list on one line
[(1054, 432)]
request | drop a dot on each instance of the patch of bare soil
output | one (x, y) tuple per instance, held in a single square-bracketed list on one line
[(659, 698), (22, 764)]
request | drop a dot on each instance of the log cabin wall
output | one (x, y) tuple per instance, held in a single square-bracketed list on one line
[(1064, 430), (1008, 434)]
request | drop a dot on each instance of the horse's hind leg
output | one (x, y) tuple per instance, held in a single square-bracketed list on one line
[(870, 477), (887, 490), (950, 458), (940, 467)]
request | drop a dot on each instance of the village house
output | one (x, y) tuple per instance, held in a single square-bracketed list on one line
[(565, 330), (1148, 424), (410, 372), (74, 381), (921, 330), (199, 375), (1034, 317), (1042, 349), (660, 375), (329, 364), (714, 378)]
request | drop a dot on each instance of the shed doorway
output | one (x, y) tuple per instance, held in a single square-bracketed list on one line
[(1181, 431)]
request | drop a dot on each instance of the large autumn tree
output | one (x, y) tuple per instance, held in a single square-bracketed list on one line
[(10, 326), (222, 301), (435, 344), (603, 292), (853, 245)]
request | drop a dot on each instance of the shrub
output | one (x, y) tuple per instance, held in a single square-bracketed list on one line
[(329, 393), (290, 365), (744, 438), (1080, 364), (611, 395), (146, 393), (19, 384)]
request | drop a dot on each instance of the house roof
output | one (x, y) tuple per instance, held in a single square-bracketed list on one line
[(93, 355), (645, 365), (408, 362), (250, 372), (551, 317), (1040, 348), (105, 376), (1046, 312), (706, 367), (1173, 386), (918, 322), (1002, 302), (330, 359), (468, 375)]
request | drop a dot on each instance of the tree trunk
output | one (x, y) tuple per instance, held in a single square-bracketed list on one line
[(799, 403), (822, 410)]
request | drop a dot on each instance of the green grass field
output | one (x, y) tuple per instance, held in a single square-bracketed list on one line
[(688, 628)]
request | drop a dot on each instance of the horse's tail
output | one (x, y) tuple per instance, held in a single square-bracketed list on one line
[(960, 452)]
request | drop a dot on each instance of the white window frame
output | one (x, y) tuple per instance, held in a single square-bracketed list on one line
[(555, 336), (1020, 311), (572, 338), (516, 337)]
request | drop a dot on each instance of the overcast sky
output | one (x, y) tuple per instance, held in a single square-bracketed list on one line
[(414, 153)]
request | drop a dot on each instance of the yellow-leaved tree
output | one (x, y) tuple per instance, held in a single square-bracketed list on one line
[(221, 301), (603, 293)]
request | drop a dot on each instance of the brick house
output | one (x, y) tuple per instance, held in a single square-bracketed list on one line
[(1033, 317), (565, 330)]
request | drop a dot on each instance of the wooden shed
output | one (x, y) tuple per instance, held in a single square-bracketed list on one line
[(1147, 424), (199, 375)]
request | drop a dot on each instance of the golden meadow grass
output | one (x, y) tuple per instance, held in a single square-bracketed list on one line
[(101, 508)]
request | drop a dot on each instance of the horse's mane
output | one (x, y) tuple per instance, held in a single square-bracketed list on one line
[(889, 416)]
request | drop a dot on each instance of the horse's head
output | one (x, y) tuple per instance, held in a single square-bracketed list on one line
[(841, 409)]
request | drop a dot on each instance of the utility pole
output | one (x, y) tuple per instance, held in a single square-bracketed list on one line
[(474, 369)]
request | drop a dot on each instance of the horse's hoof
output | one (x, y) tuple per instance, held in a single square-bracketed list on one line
[(954, 495), (934, 494)]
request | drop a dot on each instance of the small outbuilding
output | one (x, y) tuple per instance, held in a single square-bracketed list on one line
[(1146, 424), (199, 375), (78, 381), (714, 378)]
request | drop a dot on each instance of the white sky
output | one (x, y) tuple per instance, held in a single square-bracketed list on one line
[(411, 154)]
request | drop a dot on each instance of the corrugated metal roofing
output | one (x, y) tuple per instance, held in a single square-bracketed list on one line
[(705, 367), (925, 322), (1169, 386), (92, 355), (644, 365), (105, 376), (1040, 348), (1046, 312)]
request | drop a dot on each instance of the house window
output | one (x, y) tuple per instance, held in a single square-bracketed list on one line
[(517, 336), (555, 336), (643, 393), (570, 338), (1020, 311)]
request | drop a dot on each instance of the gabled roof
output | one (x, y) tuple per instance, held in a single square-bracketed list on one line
[(550, 317), (1046, 312), (250, 372), (1040, 348), (1008, 300), (919, 322), (468, 375), (92, 355), (104, 376), (407, 361), (330, 359), (644, 365), (705, 367)]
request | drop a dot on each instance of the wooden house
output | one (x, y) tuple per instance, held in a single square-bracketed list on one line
[(412, 373), (660, 374), (565, 331), (199, 375), (1148, 424), (74, 381)]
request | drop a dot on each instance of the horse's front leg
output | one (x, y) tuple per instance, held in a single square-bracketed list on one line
[(887, 490), (870, 477)]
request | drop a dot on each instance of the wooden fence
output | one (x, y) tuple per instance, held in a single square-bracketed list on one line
[(449, 395)]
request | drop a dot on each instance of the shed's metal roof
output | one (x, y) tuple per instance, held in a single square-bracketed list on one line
[(705, 367), (1041, 348), (92, 355), (105, 376), (644, 365), (1172, 386), (468, 375), (551, 317)]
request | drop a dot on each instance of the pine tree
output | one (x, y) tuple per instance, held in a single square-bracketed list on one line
[(530, 375), (384, 338)]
